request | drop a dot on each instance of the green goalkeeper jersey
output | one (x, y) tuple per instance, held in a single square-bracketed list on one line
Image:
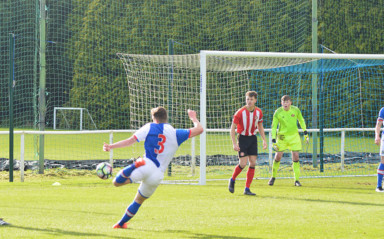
[(287, 121)]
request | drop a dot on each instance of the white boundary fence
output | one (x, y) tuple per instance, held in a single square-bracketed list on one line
[(111, 132)]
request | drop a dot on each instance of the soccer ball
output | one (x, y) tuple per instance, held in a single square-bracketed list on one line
[(104, 170)]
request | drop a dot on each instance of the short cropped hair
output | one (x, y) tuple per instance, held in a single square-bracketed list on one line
[(251, 94), (160, 114), (285, 98)]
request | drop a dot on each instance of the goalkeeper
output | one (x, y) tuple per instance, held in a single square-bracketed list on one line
[(287, 137)]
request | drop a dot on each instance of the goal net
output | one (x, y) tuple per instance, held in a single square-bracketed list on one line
[(338, 94)]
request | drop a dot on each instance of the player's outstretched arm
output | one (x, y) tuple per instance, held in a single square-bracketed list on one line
[(198, 128), (123, 143)]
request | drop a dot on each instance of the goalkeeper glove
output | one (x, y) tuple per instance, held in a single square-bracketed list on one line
[(274, 145), (306, 137)]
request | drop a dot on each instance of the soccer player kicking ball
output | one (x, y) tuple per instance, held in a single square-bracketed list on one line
[(288, 137), (161, 142), (246, 120), (378, 141)]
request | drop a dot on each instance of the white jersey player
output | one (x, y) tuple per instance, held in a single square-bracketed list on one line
[(161, 141)]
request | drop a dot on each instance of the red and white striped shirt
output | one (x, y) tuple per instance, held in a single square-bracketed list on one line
[(247, 121)]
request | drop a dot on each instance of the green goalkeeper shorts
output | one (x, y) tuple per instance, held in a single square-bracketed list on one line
[(289, 142)]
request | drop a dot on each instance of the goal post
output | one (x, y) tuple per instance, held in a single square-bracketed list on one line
[(349, 88), (203, 118)]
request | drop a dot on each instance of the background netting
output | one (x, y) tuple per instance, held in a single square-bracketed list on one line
[(83, 71)]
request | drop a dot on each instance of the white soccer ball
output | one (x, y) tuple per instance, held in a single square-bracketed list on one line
[(104, 170)]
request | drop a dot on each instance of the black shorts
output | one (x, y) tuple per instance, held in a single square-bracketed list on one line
[(248, 145)]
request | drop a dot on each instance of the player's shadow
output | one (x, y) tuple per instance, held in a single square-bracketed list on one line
[(201, 235), (62, 210), (360, 190), (323, 201), (63, 233)]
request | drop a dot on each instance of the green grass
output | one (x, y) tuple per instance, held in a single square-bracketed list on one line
[(86, 207)]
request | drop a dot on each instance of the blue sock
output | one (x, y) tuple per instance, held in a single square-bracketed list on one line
[(247, 189), (125, 173), (380, 172), (131, 211)]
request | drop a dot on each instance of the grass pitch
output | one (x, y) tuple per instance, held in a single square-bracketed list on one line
[(87, 207)]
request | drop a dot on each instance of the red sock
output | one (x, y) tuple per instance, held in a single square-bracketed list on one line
[(236, 172), (250, 174)]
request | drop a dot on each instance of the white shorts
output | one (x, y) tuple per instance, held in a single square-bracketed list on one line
[(149, 175), (382, 146)]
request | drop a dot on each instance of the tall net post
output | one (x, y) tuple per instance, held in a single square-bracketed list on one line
[(11, 92)]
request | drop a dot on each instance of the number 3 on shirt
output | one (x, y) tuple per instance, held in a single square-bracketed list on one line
[(161, 143)]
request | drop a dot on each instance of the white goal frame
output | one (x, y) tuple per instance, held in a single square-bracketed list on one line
[(55, 109), (203, 83)]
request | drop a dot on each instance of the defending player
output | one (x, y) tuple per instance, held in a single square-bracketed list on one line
[(161, 142), (246, 120), (287, 137), (380, 169)]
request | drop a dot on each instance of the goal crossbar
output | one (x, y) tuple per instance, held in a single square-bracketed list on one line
[(293, 55)]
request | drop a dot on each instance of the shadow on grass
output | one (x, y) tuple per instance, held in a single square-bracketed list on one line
[(363, 187), (197, 235), (323, 201), (182, 233), (59, 210), (359, 187), (63, 233)]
